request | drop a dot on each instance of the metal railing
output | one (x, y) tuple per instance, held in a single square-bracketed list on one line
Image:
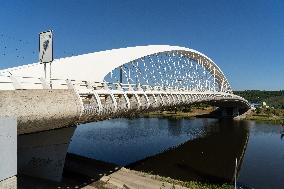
[(11, 82)]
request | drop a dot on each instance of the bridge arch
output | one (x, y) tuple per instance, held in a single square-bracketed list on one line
[(101, 96), (184, 63), (95, 66)]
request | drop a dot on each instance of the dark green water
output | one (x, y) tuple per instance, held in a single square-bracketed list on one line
[(198, 149)]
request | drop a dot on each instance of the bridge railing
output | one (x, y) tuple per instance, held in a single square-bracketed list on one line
[(16, 82), (11, 82), (100, 100)]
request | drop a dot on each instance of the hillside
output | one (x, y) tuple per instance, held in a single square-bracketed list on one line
[(272, 98)]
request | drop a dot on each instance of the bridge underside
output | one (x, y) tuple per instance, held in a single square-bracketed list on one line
[(125, 105)]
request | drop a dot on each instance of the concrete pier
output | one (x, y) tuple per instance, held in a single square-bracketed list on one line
[(8, 153), (43, 154), (230, 112)]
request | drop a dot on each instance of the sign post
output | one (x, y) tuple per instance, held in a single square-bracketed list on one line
[(46, 51), (120, 74)]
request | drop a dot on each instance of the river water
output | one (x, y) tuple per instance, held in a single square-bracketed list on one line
[(189, 149)]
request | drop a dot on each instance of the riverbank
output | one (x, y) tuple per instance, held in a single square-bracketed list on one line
[(126, 178), (86, 173), (194, 112), (110, 176), (266, 115), (275, 116)]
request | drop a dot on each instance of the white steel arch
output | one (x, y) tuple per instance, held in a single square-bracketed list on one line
[(95, 66)]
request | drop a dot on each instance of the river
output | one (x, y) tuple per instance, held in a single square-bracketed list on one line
[(189, 149)]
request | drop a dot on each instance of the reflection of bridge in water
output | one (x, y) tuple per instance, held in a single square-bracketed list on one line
[(103, 85), (208, 158)]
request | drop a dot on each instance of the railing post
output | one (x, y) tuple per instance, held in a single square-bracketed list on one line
[(71, 86), (44, 83), (16, 83)]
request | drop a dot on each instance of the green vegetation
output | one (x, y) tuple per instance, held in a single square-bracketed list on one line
[(188, 184), (272, 98), (167, 180), (273, 111), (101, 185), (196, 184), (267, 114), (188, 112)]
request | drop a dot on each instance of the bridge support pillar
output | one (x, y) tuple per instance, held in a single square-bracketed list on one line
[(230, 112), (43, 154), (8, 153)]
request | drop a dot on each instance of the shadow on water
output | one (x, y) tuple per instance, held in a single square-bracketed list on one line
[(210, 158), (175, 127)]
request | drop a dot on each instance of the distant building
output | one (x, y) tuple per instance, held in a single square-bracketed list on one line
[(264, 105), (255, 105)]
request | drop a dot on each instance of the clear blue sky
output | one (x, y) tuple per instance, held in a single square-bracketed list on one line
[(244, 37)]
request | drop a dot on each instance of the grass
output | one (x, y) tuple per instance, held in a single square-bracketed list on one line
[(188, 184), (196, 184), (100, 185), (173, 182), (267, 115), (179, 114), (275, 116)]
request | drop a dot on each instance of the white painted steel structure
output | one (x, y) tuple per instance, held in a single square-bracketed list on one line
[(153, 77), (95, 66)]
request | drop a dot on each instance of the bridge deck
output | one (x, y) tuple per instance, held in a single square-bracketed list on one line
[(40, 106)]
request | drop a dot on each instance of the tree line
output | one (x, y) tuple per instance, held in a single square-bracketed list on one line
[(272, 98)]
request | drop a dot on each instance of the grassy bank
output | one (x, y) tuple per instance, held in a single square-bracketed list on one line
[(267, 115), (197, 185), (189, 184), (275, 116), (168, 183), (193, 112)]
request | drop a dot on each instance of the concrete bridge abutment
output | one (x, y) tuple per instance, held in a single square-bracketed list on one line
[(230, 112), (43, 128), (42, 154), (8, 153)]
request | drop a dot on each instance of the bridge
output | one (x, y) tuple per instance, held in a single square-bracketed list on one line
[(102, 85)]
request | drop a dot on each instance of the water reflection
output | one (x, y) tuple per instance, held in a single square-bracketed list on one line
[(282, 135), (208, 158), (263, 164), (199, 149), (175, 127), (123, 141), (205, 149)]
